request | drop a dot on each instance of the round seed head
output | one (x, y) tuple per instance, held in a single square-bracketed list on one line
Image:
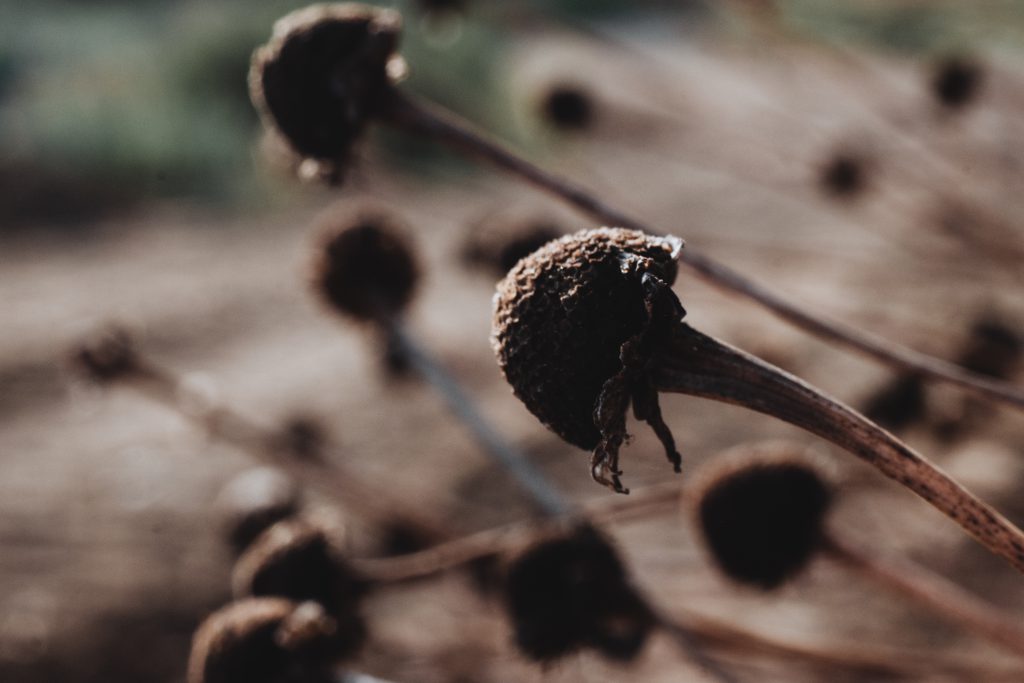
[(108, 357), (326, 71), (299, 560), (255, 500), (956, 82), (365, 267), (568, 107), (762, 515), (898, 404), (572, 592), (563, 315), (264, 640), (500, 247)]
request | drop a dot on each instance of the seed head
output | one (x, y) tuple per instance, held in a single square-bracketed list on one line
[(500, 248), (956, 82), (568, 107), (762, 516), (365, 267), (572, 592), (264, 640), (898, 404), (994, 349), (108, 357), (574, 326), (255, 500), (299, 560), (844, 176), (325, 73)]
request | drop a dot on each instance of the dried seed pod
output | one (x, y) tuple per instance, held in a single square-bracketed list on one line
[(255, 500), (956, 82), (365, 267), (299, 560), (326, 71), (264, 640), (762, 515), (568, 107), (108, 357), (572, 592), (573, 327)]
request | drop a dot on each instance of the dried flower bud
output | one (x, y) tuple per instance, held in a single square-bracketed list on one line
[(298, 560), (956, 82), (572, 592), (326, 71), (255, 500), (568, 107), (264, 640), (108, 357), (365, 267), (574, 326), (762, 515)]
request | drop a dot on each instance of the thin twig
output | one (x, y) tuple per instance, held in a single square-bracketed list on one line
[(420, 117)]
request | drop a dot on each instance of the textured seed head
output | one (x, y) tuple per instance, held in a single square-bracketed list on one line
[(253, 501), (108, 357), (365, 267), (325, 72), (568, 107), (956, 82), (762, 515), (570, 593), (299, 560), (572, 322), (264, 640)]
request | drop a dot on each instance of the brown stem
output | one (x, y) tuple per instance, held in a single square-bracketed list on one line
[(932, 591), (698, 365), (419, 117), (327, 474)]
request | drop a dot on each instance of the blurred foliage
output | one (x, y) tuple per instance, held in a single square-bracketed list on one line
[(150, 98)]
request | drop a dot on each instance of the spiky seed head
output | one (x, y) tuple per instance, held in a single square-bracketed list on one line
[(264, 640), (574, 324), (956, 82), (300, 560), (253, 501), (761, 514), (568, 107), (572, 592), (365, 267), (325, 73), (107, 357)]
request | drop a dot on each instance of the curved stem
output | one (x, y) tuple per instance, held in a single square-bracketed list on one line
[(941, 596), (696, 364), (419, 117)]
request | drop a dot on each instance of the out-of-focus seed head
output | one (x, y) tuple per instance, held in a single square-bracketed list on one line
[(573, 592), (500, 248), (844, 176), (264, 640), (993, 348), (365, 267), (957, 81), (568, 107), (325, 73), (299, 560), (899, 404), (255, 500), (761, 514), (107, 357), (574, 326)]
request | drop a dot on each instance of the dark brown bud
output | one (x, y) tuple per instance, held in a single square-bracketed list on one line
[(956, 82), (264, 640), (568, 107), (762, 514), (326, 71), (365, 267), (573, 592), (574, 326), (108, 357), (300, 560), (255, 500)]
